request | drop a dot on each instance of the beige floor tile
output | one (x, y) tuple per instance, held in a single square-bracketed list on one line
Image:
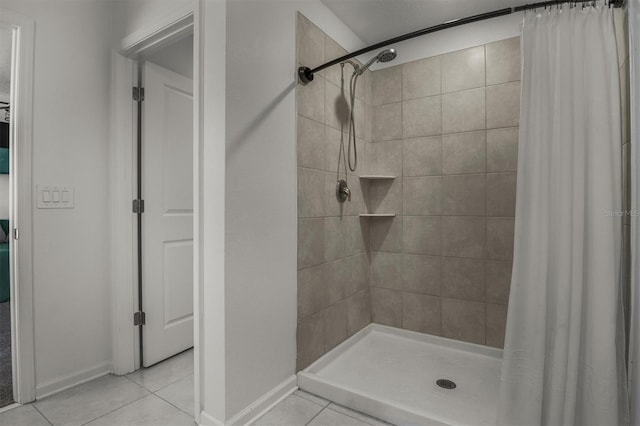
[(148, 411)]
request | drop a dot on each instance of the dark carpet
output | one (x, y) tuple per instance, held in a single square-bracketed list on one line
[(6, 379)]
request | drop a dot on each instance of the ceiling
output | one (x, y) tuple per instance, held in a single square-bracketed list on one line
[(378, 20), (5, 62)]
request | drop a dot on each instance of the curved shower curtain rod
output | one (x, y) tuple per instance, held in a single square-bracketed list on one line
[(305, 74)]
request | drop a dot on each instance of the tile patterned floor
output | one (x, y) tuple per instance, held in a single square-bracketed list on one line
[(302, 408), (163, 396), (160, 395)]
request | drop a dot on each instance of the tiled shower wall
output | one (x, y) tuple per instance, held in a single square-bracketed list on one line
[(447, 127), (333, 265)]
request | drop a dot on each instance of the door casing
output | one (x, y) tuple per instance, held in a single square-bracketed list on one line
[(20, 216), (123, 159)]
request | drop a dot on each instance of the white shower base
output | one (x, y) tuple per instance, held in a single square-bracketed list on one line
[(391, 374)]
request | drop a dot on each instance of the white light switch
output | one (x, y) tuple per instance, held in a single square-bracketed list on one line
[(55, 196)]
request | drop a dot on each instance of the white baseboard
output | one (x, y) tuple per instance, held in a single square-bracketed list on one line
[(64, 383), (208, 420), (258, 408), (10, 407)]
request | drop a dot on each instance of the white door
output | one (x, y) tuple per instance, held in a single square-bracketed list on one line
[(167, 233)]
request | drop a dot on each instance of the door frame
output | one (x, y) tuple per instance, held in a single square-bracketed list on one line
[(123, 169), (20, 205)]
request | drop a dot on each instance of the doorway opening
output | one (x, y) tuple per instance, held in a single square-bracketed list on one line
[(164, 198), (6, 357), (17, 366), (165, 185)]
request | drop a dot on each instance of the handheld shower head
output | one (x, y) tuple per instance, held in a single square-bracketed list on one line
[(384, 56)]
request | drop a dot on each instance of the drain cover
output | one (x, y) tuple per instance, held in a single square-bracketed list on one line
[(446, 384)]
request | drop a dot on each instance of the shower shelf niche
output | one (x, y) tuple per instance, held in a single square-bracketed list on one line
[(377, 177)]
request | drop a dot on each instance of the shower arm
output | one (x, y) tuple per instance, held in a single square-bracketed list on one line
[(306, 74)]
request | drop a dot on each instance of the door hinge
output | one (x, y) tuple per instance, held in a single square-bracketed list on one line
[(16, 234), (139, 318), (138, 94), (138, 206)]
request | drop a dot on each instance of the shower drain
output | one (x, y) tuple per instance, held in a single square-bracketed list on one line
[(446, 384)]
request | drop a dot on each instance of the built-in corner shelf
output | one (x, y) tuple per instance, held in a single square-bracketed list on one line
[(377, 177)]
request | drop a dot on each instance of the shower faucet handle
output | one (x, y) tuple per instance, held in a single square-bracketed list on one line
[(342, 191)]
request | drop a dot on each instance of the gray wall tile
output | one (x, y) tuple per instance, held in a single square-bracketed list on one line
[(311, 144), (335, 243), (358, 312), (310, 100), (385, 196), (310, 43), (337, 107), (463, 111), (503, 61), (387, 122), (386, 270), (421, 274), (464, 153), (422, 234), (310, 340), (310, 242), (312, 290), (310, 193), (501, 194), (422, 117), (498, 279), (464, 195), (334, 50), (332, 154), (422, 196), (502, 149), (386, 86), (503, 105), (464, 237), (463, 69), (422, 156), (421, 78), (463, 279), (386, 158), (335, 325), (358, 273), (336, 275), (500, 238), (422, 313), (386, 234), (386, 306), (357, 235), (463, 320), (496, 325)]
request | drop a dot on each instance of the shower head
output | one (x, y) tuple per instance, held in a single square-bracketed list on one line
[(384, 56)]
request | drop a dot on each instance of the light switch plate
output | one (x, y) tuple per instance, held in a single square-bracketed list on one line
[(55, 196)]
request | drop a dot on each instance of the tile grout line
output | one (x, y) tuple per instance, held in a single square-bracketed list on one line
[(348, 415), (41, 413), (174, 406), (118, 408), (317, 414)]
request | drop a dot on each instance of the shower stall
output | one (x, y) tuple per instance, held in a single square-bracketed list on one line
[(404, 280)]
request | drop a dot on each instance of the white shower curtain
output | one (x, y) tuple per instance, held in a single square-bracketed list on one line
[(564, 346)]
